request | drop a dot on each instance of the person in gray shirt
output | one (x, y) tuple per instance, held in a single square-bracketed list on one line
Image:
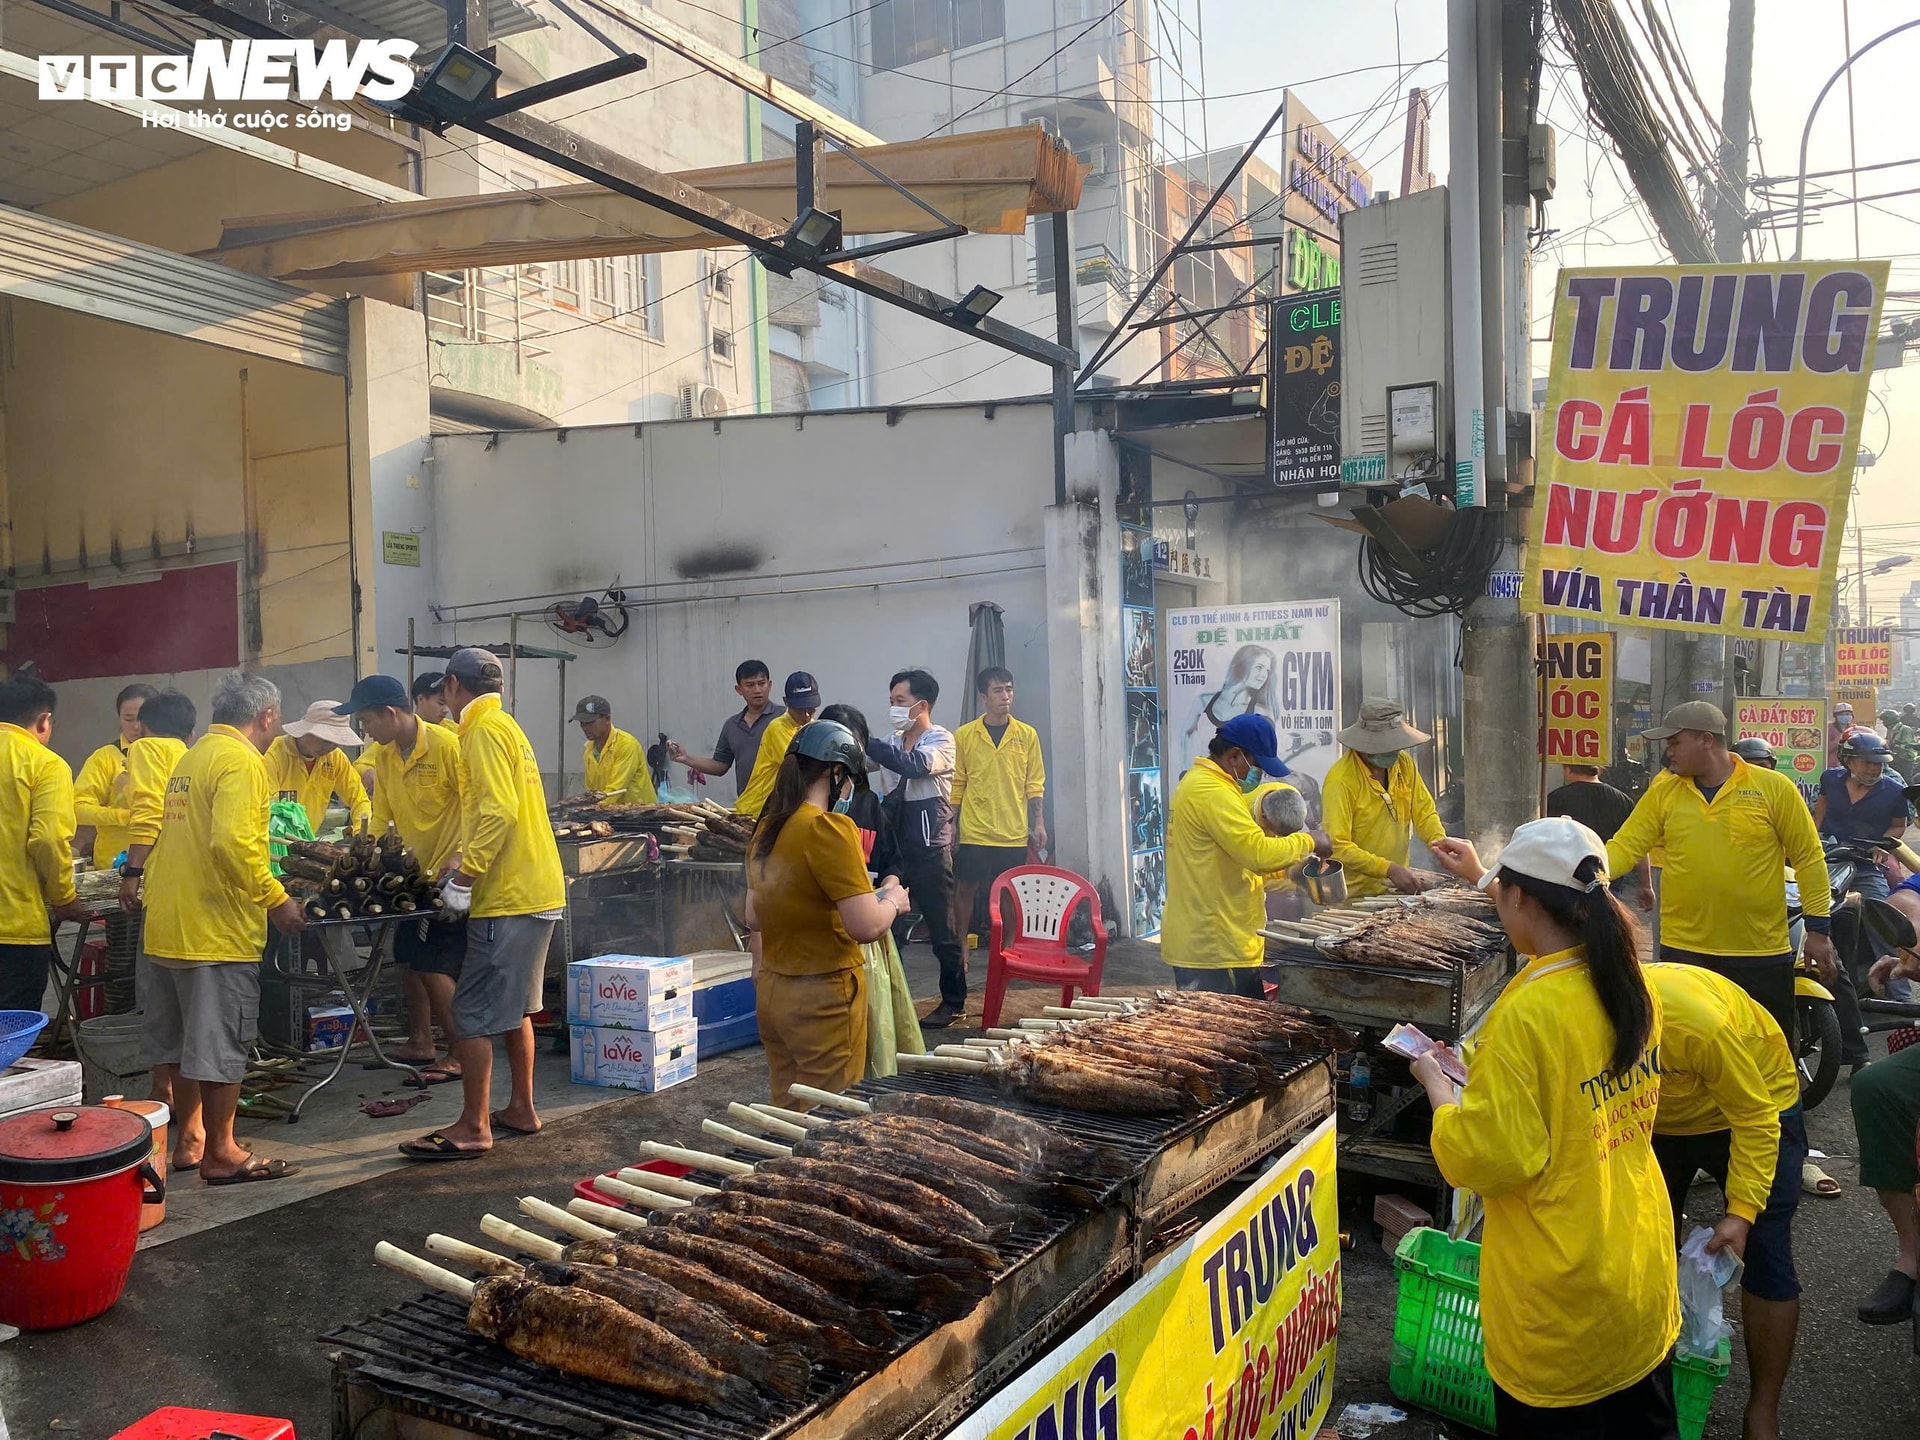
[(739, 743)]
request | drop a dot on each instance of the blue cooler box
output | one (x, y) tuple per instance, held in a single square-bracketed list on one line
[(723, 1001)]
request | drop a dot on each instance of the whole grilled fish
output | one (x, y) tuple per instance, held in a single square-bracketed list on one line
[(585, 1334), (882, 1215), (767, 1322), (904, 1140), (858, 1171), (782, 1370), (771, 1277), (828, 1224), (844, 1270), (985, 1147), (1045, 1144), (1041, 1077), (983, 1200)]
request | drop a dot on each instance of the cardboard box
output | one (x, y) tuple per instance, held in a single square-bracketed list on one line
[(646, 1060), (630, 992), (328, 1026)]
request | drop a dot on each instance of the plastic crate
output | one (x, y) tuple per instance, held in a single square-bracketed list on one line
[(1438, 1353), (1439, 1360), (724, 1035)]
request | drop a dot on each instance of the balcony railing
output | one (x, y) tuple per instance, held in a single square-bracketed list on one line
[(496, 305)]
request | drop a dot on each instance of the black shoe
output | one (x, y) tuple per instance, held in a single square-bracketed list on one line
[(1891, 1304), (943, 1015)]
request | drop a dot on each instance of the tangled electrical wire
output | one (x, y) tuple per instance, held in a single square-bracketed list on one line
[(1453, 573)]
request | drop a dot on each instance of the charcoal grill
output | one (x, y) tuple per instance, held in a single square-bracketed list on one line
[(1446, 1005), (415, 1372)]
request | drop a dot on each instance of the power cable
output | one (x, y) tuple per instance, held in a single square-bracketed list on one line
[(1453, 574), (1052, 55)]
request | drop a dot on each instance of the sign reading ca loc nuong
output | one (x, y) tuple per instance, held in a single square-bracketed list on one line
[(1576, 699), (1863, 655), (1698, 444)]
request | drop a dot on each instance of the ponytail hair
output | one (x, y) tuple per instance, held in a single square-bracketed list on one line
[(1612, 942)]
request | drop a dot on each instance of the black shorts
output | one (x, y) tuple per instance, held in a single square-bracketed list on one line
[(431, 947), (1244, 980), (1769, 1271), (1767, 979), (981, 865), (1642, 1411), (23, 976)]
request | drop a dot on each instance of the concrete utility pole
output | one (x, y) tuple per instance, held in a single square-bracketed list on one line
[(1489, 144)]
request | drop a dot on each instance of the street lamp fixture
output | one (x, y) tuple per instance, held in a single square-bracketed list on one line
[(813, 234), (460, 82), (976, 304)]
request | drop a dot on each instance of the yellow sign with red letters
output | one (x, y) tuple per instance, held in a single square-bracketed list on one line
[(1698, 444), (1576, 699), (1229, 1335)]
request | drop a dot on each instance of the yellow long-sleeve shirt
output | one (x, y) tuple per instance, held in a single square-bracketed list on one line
[(1723, 886), (420, 794), (1217, 861), (1724, 1065), (209, 883), (1578, 1296), (315, 782), (992, 784), (36, 837), (774, 741), (1372, 826), (100, 800), (507, 845), (150, 762), (619, 767)]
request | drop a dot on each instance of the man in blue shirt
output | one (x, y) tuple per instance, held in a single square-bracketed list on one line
[(1860, 800)]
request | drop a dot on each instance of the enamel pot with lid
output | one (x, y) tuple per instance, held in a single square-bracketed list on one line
[(72, 1180)]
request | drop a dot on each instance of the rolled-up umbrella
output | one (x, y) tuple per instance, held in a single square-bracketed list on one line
[(986, 647)]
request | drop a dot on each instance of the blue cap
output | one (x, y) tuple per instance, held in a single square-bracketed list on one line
[(375, 692), (802, 691), (1254, 734)]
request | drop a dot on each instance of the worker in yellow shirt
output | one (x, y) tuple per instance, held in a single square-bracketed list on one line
[(1217, 859), (1554, 1130), (417, 791), (1729, 830), (308, 763), (209, 891), (428, 705), (803, 703), (1374, 802), (509, 883), (100, 791), (36, 842), (615, 763), (1000, 793), (1730, 1105)]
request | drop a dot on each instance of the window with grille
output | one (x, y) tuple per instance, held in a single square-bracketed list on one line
[(1043, 255), (723, 345), (603, 289), (565, 276), (640, 294), (905, 32)]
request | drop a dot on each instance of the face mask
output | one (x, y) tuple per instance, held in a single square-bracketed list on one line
[(1252, 780), (898, 716), (845, 803), (1384, 762)]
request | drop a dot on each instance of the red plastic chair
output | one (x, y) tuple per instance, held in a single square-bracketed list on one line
[(1043, 897)]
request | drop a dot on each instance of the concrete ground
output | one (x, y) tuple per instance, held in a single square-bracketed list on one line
[(227, 1317)]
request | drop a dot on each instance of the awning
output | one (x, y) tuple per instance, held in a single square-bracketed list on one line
[(987, 182)]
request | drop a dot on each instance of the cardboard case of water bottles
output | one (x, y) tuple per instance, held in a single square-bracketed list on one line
[(630, 1021)]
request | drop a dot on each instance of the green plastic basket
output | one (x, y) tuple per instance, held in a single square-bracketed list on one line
[(1439, 1362)]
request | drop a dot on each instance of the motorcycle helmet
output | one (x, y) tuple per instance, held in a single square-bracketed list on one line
[(1865, 745), (1755, 752), (829, 742)]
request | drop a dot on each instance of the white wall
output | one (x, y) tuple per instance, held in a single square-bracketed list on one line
[(866, 541)]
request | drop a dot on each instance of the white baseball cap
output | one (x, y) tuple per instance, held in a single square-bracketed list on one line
[(1551, 850)]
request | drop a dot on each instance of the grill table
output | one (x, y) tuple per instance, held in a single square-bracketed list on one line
[(419, 1369)]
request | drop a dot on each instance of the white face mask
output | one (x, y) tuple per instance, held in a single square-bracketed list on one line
[(898, 716)]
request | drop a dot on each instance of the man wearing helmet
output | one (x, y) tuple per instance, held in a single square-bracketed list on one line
[(1859, 800), (811, 906)]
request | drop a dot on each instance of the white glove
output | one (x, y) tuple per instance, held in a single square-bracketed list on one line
[(459, 898)]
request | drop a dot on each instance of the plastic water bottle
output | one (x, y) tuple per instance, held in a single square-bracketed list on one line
[(1360, 1083)]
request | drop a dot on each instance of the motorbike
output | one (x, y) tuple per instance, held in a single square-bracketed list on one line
[(1817, 1044)]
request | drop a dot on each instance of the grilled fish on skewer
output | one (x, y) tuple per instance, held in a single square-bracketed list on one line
[(1029, 1136), (772, 1278), (815, 1217), (893, 1219), (858, 1171)]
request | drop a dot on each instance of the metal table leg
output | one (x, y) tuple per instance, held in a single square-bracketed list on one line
[(356, 999), (67, 1013)]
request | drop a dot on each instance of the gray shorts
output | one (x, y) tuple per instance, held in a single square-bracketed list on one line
[(201, 1016), (503, 975)]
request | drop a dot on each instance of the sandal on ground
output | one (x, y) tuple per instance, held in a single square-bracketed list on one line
[(435, 1075), (254, 1170), (1816, 1181), (437, 1147), (501, 1125), (1891, 1304)]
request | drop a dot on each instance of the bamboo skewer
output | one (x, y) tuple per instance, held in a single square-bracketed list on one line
[(538, 1246), (561, 1220), (849, 1103), (746, 1114), (967, 1051), (488, 1260), (792, 1117), (698, 1159), (674, 1185), (745, 1141), (949, 1063), (639, 1194), (606, 1215), (425, 1271)]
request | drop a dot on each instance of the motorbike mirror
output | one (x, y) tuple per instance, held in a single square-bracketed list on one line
[(1887, 925), (1912, 792)]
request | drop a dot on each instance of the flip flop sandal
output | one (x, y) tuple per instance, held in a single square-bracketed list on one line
[(1816, 1181), (435, 1075), (505, 1128), (436, 1147), (255, 1170)]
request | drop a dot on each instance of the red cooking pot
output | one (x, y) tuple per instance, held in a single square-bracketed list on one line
[(72, 1180)]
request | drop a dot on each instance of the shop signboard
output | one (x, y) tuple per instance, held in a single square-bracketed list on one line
[(1576, 699), (1795, 727), (1303, 392), (1280, 660), (400, 547), (1865, 699), (1231, 1333), (1698, 444), (1863, 655)]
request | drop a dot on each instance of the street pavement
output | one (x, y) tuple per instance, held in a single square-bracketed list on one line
[(228, 1319)]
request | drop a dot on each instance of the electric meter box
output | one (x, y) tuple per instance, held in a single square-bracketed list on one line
[(1396, 405)]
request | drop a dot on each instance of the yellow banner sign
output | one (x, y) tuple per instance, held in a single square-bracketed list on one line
[(1698, 444), (1576, 699), (1229, 1335), (1796, 728), (1863, 655)]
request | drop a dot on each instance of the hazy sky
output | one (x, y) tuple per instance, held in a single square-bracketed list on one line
[(1252, 45)]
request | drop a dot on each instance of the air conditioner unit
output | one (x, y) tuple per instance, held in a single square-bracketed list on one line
[(1096, 158), (690, 401), (713, 402)]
